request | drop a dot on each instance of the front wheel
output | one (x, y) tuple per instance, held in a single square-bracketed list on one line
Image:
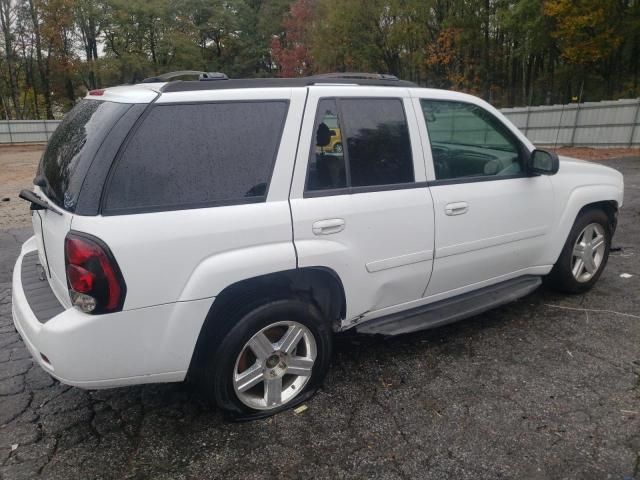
[(584, 255), (272, 359)]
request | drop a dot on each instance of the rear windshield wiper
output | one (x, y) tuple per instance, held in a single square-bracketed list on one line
[(37, 203)]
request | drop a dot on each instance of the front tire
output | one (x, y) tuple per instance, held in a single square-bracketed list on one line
[(274, 357), (584, 254)]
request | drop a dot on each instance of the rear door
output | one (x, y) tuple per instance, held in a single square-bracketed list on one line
[(361, 206)]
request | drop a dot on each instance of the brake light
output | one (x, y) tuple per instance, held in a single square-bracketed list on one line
[(96, 93), (93, 276)]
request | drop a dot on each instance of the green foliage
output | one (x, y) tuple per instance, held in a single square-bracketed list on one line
[(509, 51)]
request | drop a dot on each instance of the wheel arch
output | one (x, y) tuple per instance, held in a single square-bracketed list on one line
[(600, 197), (610, 207), (320, 285)]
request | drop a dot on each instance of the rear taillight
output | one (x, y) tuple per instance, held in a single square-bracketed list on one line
[(93, 276)]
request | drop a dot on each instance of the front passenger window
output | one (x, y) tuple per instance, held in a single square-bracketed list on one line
[(467, 141)]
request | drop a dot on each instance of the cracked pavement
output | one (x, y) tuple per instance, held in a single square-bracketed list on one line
[(546, 387)]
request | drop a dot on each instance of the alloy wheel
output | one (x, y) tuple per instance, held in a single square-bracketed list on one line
[(588, 252), (274, 365)]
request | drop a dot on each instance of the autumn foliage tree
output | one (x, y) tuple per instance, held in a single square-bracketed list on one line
[(290, 50), (511, 52)]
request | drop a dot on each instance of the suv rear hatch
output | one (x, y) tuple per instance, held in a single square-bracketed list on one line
[(60, 177)]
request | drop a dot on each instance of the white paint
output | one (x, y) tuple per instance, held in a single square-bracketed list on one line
[(393, 250)]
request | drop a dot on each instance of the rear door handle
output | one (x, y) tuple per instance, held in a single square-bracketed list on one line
[(327, 227), (457, 208)]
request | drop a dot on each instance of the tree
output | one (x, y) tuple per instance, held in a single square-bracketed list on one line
[(290, 51), (7, 18), (512, 52)]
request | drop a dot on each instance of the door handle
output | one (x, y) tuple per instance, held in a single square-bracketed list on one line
[(327, 227), (457, 208)]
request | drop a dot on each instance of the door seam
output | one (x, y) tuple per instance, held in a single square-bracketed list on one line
[(293, 171)]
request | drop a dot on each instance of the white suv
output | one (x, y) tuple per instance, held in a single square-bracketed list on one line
[(213, 229)]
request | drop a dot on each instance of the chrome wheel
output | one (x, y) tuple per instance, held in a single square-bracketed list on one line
[(588, 252), (274, 365)]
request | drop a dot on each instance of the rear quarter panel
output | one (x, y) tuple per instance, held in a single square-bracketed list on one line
[(191, 254)]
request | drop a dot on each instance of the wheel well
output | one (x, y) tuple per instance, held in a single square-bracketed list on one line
[(610, 207), (319, 285)]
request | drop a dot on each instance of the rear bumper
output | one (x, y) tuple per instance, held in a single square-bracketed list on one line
[(147, 345)]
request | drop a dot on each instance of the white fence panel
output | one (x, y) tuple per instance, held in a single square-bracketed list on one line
[(591, 124), (27, 131)]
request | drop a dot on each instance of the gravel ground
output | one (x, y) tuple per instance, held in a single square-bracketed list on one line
[(546, 387), (17, 169)]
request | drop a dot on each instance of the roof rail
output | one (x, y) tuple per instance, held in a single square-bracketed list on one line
[(355, 76), (165, 77), (377, 80)]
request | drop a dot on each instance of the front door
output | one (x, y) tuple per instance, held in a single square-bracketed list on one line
[(492, 218), (359, 199)]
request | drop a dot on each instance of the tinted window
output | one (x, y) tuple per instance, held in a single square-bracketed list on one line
[(326, 164), (185, 156), (358, 143), (467, 141), (378, 146), (73, 146)]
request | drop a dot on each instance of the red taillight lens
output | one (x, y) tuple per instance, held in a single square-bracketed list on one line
[(80, 280), (93, 276)]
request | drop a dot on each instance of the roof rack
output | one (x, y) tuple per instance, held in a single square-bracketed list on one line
[(356, 76), (371, 79), (165, 77)]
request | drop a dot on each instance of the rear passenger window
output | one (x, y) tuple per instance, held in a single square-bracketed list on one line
[(188, 156), (360, 143), (378, 146), (326, 165)]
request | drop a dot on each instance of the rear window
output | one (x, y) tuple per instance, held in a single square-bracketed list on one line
[(198, 155), (73, 146)]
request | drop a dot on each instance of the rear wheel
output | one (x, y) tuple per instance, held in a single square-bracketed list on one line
[(274, 357), (584, 255)]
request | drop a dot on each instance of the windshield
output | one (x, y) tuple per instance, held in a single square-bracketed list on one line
[(73, 146)]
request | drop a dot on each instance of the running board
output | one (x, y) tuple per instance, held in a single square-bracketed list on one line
[(451, 309)]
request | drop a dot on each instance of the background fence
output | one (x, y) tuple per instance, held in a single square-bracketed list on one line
[(591, 124), (26, 131)]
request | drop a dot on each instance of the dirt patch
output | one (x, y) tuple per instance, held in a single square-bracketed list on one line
[(17, 168), (585, 153)]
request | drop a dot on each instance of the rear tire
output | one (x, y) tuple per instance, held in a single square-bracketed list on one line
[(584, 255), (274, 358)]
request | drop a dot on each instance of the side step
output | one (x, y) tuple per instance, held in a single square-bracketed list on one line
[(452, 309)]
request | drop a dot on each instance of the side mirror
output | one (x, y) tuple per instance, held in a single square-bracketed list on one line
[(541, 162)]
